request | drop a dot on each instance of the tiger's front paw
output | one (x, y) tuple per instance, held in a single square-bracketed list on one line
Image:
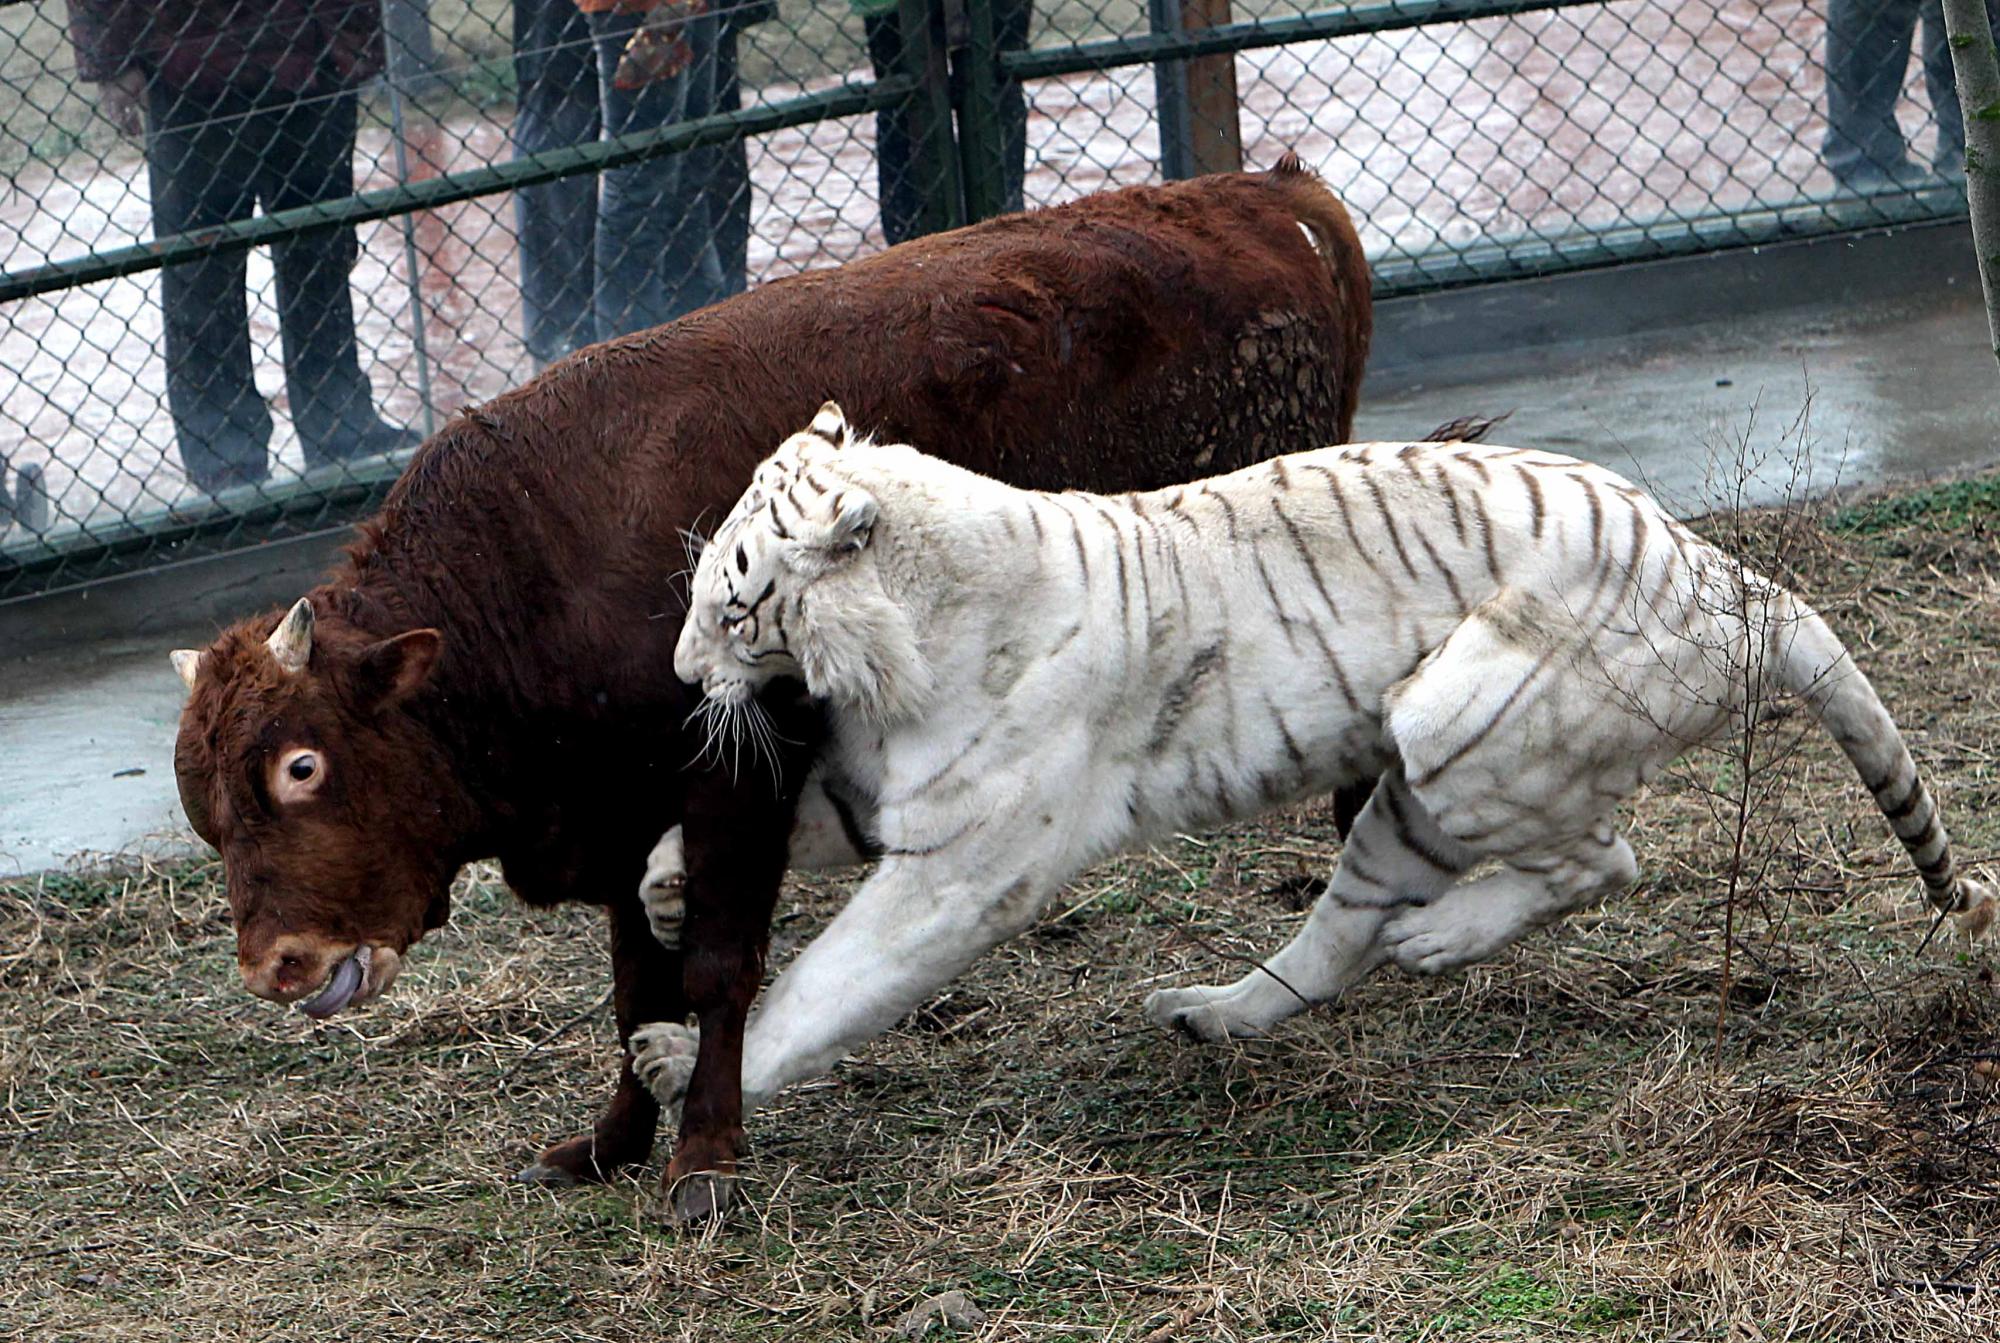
[(663, 1055), (663, 890)]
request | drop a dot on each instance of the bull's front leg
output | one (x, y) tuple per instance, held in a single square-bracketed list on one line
[(646, 985), (734, 833)]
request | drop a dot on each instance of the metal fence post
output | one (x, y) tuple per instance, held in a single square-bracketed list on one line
[(982, 138), (925, 58), (410, 62), (1196, 98)]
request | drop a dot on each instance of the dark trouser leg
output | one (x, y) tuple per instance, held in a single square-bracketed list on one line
[(200, 163), (895, 144), (1867, 51), (1949, 156), (656, 257), (1011, 19), (727, 170), (310, 158), (555, 70)]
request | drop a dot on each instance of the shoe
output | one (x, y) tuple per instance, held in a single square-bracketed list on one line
[(1875, 179), (376, 439)]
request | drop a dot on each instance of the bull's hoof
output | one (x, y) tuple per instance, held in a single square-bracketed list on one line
[(581, 1160), (695, 1199), (543, 1173)]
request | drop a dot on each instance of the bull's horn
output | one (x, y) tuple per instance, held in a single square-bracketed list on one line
[(292, 642), (187, 662)]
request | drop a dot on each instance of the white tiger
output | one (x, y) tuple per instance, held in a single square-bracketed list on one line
[(1021, 684)]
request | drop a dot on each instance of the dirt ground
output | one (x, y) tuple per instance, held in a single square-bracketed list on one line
[(1630, 1128)]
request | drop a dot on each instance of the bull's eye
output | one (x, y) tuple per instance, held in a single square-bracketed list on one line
[(298, 774)]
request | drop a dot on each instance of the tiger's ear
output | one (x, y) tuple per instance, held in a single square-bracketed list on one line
[(843, 528), (830, 423)]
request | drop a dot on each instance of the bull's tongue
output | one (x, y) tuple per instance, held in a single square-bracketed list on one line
[(346, 982)]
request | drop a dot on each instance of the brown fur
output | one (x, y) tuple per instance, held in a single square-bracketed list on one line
[(1120, 342)]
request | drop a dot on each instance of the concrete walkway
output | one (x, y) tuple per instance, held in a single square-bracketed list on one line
[(1655, 371)]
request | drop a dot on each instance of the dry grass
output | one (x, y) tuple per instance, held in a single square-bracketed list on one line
[(1548, 1147)]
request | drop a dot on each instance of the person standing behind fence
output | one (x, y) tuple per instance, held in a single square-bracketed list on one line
[(900, 192), (643, 244), (1867, 51), (247, 102)]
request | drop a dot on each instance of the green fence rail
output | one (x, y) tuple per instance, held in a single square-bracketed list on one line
[(526, 177)]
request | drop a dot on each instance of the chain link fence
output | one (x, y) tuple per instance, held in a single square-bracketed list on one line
[(252, 250)]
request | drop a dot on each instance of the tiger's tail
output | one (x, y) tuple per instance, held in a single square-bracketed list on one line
[(1812, 662)]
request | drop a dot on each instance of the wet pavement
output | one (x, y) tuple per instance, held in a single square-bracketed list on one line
[(1807, 399), (1897, 387)]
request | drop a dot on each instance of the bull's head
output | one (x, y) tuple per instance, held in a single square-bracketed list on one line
[(335, 811)]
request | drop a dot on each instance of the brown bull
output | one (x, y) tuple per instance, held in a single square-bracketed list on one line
[(490, 672)]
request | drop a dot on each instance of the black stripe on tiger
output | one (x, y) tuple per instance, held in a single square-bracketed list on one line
[(1390, 793), (1228, 510), (1450, 581), (1465, 747), (1117, 549), (1347, 521), (1178, 697), (1904, 805), (1305, 554), (1285, 622), (1486, 535), (1450, 492), (1339, 673), (1389, 522), (1537, 509)]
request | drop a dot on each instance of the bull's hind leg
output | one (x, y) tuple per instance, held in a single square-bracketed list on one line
[(1396, 858)]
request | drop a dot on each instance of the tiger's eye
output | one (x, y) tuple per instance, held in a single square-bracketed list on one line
[(302, 768), (742, 561)]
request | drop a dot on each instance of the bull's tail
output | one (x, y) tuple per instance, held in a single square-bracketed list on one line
[(1325, 220), (1812, 662)]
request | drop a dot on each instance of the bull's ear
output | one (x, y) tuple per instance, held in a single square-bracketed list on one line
[(395, 669), (187, 662)]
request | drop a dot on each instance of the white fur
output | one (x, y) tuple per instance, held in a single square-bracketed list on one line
[(1022, 684)]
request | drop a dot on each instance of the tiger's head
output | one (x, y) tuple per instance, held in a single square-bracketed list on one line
[(792, 585)]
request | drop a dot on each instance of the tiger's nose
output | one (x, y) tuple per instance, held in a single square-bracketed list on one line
[(687, 657)]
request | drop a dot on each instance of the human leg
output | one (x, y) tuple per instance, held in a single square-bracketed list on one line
[(557, 105), (309, 158), (198, 165), (655, 245), (1867, 51)]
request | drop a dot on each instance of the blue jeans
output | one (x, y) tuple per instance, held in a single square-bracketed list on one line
[(1867, 51), (638, 245)]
